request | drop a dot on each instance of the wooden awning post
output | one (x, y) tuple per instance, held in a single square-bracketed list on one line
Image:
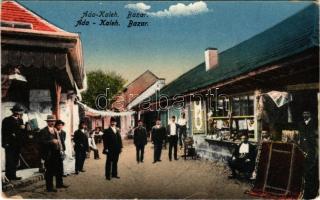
[(57, 91)]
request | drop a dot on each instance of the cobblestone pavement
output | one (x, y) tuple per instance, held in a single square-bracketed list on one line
[(194, 179)]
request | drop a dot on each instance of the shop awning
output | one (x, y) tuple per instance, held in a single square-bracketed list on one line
[(39, 48), (96, 113)]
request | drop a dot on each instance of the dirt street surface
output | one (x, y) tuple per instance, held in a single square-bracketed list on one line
[(190, 179)]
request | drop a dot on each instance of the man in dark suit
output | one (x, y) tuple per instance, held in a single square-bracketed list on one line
[(112, 144), (140, 140), (12, 130), (243, 158), (173, 132), (51, 153), (81, 146), (158, 135), (62, 136), (308, 142)]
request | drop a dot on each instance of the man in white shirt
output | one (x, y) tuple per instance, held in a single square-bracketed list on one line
[(97, 135), (182, 122), (243, 158), (92, 146), (172, 132)]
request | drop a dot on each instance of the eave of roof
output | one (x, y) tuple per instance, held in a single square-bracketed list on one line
[(294, 35)]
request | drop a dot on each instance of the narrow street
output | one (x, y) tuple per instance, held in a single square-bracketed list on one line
[(192, 179)]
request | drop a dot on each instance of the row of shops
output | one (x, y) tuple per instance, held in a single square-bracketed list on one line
[(259, 87)]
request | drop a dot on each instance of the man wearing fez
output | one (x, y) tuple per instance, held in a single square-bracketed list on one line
[(81, 146), (243, 158), (308, 142), (140, 140), (62, 134), (112, 147), (173, 131), (158, 135), (52, 149), (12, 133)]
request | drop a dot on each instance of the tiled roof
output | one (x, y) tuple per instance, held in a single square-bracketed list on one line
[(13, 12), (292, 36), (138, 86)]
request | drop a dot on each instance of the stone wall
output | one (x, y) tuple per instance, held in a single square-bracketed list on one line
[(215, 151)]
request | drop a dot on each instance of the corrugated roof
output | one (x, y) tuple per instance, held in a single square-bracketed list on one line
[(289, 37), (11, 11)]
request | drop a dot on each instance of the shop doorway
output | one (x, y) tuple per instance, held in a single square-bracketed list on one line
[(305, 100)]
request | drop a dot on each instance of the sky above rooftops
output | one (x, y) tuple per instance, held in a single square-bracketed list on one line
[(175, 38)]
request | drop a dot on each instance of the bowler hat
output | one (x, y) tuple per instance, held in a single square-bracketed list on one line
[(51, 118), (58, 122), (112, 119), (17, 109)]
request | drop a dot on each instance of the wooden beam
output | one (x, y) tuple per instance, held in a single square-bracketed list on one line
[(36, 43), (303, 86)]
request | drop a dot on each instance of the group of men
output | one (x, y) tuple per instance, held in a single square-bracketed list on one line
[(243, 158), (53, 147), (174, 132), (52, 143)]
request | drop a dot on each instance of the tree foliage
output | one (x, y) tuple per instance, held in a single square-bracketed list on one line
[(98, 81)]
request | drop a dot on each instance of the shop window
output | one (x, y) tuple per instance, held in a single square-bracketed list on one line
[(242, 105), (226, 125), (220, 108)]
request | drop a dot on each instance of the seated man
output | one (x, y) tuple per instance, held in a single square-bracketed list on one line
[(243, 158)]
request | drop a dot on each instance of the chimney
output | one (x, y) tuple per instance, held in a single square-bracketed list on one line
[(211, 58)]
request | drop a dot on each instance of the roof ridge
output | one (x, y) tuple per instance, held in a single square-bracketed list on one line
[(279, 24), (145, 72), (238, 59)]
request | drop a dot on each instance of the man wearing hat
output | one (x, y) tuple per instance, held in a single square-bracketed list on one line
[(308, 139), (140, 140), (12, 133), (112, 147), (81, 146), (62, 135), (51, 153)]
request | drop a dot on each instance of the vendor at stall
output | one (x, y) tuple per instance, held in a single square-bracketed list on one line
[(308, 143), (243, 158)]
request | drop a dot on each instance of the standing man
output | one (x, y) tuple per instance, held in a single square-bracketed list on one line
[(308, 142), (81, 146), (62, 136), (158, 134), (140, 140), (112, 144), (173, 131), (93, 146), (12, 130), (51, 153), (97, 135), (182, 129)]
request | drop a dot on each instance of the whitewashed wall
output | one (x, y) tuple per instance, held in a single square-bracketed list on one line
[(40, 107), (147, 93)]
